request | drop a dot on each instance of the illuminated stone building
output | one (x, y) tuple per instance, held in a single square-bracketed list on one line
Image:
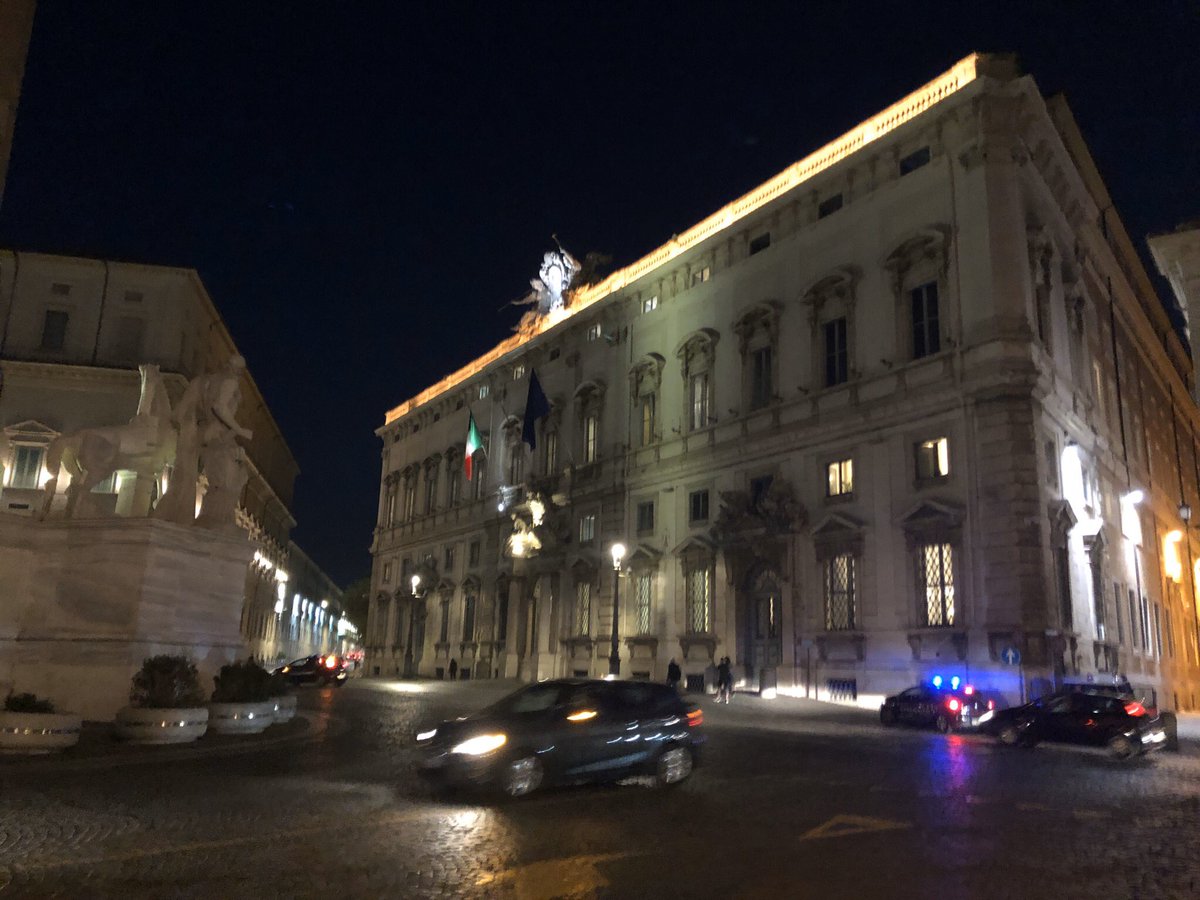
[(910, 407), (73, 332)]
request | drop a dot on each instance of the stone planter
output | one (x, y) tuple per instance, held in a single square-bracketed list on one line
[(285, 708), (38, 732), (161, 726), (241, 718)]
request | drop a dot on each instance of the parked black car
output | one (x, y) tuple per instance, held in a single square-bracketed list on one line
[(566, 731), (945, 708), (316, 669), (1100, 718)]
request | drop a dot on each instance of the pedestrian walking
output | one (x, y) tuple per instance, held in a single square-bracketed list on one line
[(724, 680), (673, 674)]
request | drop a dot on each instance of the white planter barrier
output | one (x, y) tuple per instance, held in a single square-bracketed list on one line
[(38, 732), (241, 718), (161, 726), (285, 708)]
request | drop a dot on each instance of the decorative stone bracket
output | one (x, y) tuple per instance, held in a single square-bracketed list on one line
[(708, 641), (919, 639), (836, 641)]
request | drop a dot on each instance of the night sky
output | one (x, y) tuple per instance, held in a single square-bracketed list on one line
[(363, 186)]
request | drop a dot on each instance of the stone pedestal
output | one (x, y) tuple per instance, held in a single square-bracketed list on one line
[(83, 602)]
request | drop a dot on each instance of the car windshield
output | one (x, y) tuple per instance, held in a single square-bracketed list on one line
[(533, 699), (300, 662)]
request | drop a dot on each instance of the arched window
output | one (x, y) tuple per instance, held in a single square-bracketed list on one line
[(758, 338), (697, 355), (830, 303), (589, 401), (645, 382), (918, 269)]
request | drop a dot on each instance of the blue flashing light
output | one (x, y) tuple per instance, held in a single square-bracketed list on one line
[(937, 681), (954, 683)]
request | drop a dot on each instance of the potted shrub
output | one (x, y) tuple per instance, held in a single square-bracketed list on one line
[(241, 699), (30, 725), (166, 703), (285, 699)]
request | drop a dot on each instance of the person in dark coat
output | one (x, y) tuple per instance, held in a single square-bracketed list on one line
[(673, 674), (453, 669), (724, 680)]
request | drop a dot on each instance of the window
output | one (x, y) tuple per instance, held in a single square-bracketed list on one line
[(935, 563), (699, 600), (643, 601), (516, 463), (1117, 607), (410, 497), (841, 601), (483, 391), (60, 290), (448, 558), (1133, 620), (650, 304), (645, 516), (473, 553), (593, 332), (698, 394), (761, 388), (587, 528), (454, 483), (444, 632), (583, 607), (551, 451), (554, 354), (1147, 638), (698, 506), (590, 428), (760, 243), (701, 275), (914, 161), (468, 632), (130, 333), (933, 459), (54, 330), (518, 371), (925, 334), (27, 466), (387, 572), (649, 401), (839, 478), (389, 506), (837, 360), (829, 206), (430, 488)]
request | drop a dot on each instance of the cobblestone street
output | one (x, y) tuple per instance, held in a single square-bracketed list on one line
[(794, 799)]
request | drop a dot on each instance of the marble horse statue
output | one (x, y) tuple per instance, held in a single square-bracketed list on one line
[(144, 446)]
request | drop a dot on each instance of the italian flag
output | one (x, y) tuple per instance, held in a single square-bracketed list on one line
[(473, 443)]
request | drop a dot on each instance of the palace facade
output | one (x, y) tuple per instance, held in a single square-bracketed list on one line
[(910, 407)]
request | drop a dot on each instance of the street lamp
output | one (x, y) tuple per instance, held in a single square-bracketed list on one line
[(412, 618), (614, 658)]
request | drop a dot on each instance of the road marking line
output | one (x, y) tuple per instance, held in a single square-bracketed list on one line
[(843, 825)]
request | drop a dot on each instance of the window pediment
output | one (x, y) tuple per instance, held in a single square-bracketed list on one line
[(645, 376), (590, 394), (836, 287), (644, 558), (698, 350), (932, 520), (760, 321), (928, 245)]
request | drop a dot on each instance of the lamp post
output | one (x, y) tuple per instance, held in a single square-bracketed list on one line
[(614, 658), (412, 618)]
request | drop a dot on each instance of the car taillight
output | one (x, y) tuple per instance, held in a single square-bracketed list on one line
[(331, 662), (991, 704), (1134, 708), (695, 717), (952, 705)]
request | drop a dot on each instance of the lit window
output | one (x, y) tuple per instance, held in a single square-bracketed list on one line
[(760, 243), (27, 466), (583, 607), (587, 528), (935, 564), (699, 601), (840, 478), (593, 332), (518, 371), (933, 458), (648, 404), (914, 161), (590, 436), (483, 392), (650, 304), (645, 516), (701, 275), (644, 599), (840, 593)]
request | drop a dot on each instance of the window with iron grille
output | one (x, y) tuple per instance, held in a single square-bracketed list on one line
[(837, 357), (645, 516), (583, 607), (469, 618), (841, 587), (935, 563), (699, 600), (926, 336), (644, 598), (839, 480)]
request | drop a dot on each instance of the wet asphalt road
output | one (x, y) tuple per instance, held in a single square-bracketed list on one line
[(793, 800)]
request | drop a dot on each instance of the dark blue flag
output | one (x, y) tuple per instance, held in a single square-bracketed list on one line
[(536, 406)]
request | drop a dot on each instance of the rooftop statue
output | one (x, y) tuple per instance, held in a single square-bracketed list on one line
[(558, 270)]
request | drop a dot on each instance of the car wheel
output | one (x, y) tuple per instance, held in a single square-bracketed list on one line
[(1009, 735), (942, 724), (887, 716), (522, 775), (1121, 747), (674, 766)]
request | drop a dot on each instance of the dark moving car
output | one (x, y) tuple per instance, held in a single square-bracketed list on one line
[(1101, 718), (567, 731), (946, 708), (316, 669)]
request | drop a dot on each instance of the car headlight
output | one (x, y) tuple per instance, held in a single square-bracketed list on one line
[(987, 717), (426, 735), (477, 746)]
